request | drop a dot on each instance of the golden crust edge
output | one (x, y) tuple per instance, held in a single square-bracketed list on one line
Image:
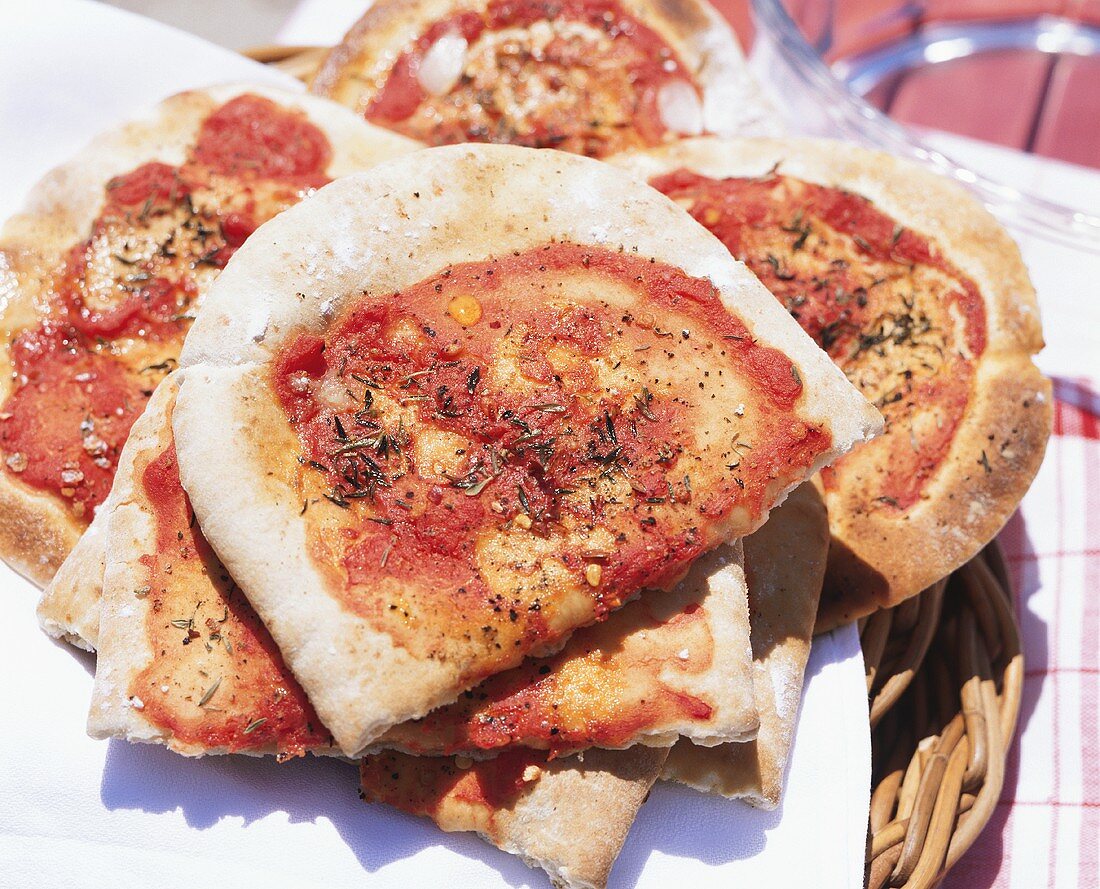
[(937, 541)]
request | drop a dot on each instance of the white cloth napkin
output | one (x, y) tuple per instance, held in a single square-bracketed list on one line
[(74, 811), (77, 812)]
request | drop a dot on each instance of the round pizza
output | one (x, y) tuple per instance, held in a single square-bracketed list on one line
[(588, 76), (922, 299), (445, 412), (105, 268)]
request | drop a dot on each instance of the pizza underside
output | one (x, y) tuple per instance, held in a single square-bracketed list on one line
[(544, 812), (785, 565)]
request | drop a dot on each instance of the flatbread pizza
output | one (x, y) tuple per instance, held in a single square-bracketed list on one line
[(103, 272), (785, 565), (184, 660), (422, 465), (587, 76), (569, 817), (923, 300)]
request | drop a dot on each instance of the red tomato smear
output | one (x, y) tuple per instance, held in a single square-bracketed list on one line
[(250, 136), (422, 785), (70, 378), (64, 425), (651, 64), (498, 782), (156, 184), (526, 451), (402, 93), (150, 309), (768, 222), (904, 487), (258, 703)]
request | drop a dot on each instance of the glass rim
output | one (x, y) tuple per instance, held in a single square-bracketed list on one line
[(855, 119)]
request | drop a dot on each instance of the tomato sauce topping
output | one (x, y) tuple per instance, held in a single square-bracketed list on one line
[(604, 689), (64, 425), (510, 449), (244, 138), (578, 75), (120, 302), (217, 679), (904, 324)]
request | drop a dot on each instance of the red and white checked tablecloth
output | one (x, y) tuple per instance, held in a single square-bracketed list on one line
[(1046, 828), (1045, 831)]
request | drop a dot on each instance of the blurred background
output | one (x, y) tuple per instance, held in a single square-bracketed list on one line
[(238, 24), (1024, 74)]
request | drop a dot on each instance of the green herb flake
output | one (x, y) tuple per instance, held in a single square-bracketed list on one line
[(209, 693)]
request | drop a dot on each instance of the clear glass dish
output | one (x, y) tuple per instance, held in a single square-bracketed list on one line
[(818, 83)]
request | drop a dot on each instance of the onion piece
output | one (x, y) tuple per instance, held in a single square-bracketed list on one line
[(679, 107), (331, 392), (442, 64)]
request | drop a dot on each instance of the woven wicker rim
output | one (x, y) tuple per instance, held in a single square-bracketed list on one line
[(941, 726)]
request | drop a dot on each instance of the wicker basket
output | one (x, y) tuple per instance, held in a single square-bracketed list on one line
[(941, 726)]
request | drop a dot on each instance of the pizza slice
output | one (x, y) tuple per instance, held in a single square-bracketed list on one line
[(587, 76), (70, 604), (660, 668), (184, 660), (423, 464), (569, 817), (103, 272), (785, 565), (922, 299)]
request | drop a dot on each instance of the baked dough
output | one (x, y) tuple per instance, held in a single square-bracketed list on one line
[(569, 817), (183, 660), (785, 564)]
